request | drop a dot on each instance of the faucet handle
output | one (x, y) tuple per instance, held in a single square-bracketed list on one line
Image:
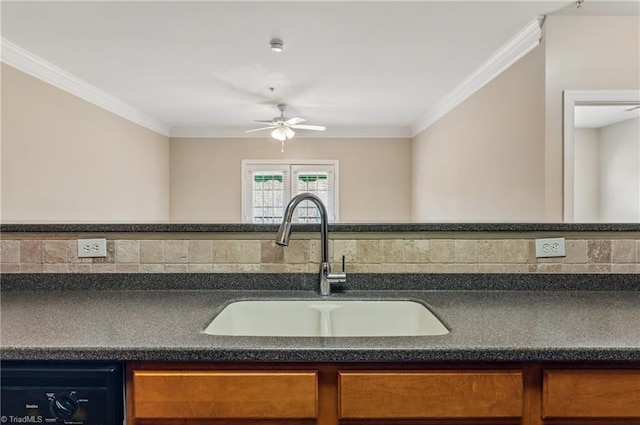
[(343, 265)]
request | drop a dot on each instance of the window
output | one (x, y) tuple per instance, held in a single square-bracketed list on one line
[(268, 186)]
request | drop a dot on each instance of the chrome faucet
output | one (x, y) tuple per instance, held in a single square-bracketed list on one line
[(284, 233)]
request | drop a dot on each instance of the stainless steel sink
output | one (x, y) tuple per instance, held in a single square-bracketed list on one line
[(327, 318)]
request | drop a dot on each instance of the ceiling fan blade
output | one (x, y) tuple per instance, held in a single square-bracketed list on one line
[(260, 129), (633, 108), (294, 121), (310, 127), (264, 122)]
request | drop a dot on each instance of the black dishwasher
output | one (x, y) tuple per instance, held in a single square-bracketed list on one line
[(80, 393)]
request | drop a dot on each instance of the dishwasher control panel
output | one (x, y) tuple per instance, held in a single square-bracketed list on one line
[(55, 393), (56, 405)]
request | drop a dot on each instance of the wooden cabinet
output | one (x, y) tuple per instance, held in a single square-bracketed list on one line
[(192, 394), (374, 394), (430, 394), (600, 393)]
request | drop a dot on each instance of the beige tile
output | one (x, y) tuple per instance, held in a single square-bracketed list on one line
[(297, 252), (200, 251), (442, 251), (623, 251), (491, 251), (532, 252), (394, 267), (175, 251), (271, 253), (175, 268), (225, 268), (127, 268), (575, 268), (55, 252), (127, 251), (31, 251), (248, 268), (576, 251), (549, 268), (516, 268), (599, 251), (346, 247), (295, 268), (599, 268), (199, 268), (30, 268), (152, 252), (151, 268), (79, 268), (9, 268), (315, 250), (465, 268), (248, 252), (9, 251), (443, 268), (272, 268), (417, 251), (624, 268), (466, 251), (55, 268), (490, 268), (224, 252), (369, 251), (366, 268), (103, 268), (393, 251), (418, 268), (516, 251)]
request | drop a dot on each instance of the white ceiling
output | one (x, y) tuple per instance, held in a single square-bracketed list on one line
[(355, 66)]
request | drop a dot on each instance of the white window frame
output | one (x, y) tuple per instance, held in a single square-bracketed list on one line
[(288, 164)]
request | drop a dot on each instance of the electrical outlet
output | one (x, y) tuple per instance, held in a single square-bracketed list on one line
[(92, 248), (552, 247)]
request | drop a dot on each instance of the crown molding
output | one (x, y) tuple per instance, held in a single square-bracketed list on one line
[(521, 44), (37, 67), (332, 132)]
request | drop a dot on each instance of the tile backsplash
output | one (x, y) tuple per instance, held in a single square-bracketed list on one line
[(176, 253)]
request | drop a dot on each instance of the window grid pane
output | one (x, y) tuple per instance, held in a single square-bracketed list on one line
[(318, 184), (268, 196)]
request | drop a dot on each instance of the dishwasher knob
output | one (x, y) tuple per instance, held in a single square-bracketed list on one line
[(64, 406)]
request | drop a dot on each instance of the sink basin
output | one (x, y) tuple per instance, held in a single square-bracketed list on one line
[(328, 318)]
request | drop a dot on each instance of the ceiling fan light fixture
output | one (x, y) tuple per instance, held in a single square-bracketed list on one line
[(277, 45), (289, 133), (279, 134)]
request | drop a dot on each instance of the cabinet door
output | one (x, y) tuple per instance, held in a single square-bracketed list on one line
[(438, 394), (591, 394), (193, 394)]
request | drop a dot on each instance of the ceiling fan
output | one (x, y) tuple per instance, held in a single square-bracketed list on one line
[(283, 127)]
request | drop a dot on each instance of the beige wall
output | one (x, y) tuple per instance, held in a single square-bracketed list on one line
[(64, 159), (483, 161), (206, 175), (583, 53)]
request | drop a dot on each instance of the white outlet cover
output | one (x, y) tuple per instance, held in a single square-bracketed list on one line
[(92, 248), (550, 247)]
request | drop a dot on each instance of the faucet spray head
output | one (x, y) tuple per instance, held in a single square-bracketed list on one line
[(284, 233)]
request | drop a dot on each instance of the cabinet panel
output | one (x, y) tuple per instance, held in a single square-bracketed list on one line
[(438, 394), (591, 393), (165, 394)]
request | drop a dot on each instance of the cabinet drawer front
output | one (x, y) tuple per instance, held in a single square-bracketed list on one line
[(591, 393), (404, 395), (210, 394)]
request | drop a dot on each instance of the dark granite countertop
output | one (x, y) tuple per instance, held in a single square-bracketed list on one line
[(434, 227), (166, 325)]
